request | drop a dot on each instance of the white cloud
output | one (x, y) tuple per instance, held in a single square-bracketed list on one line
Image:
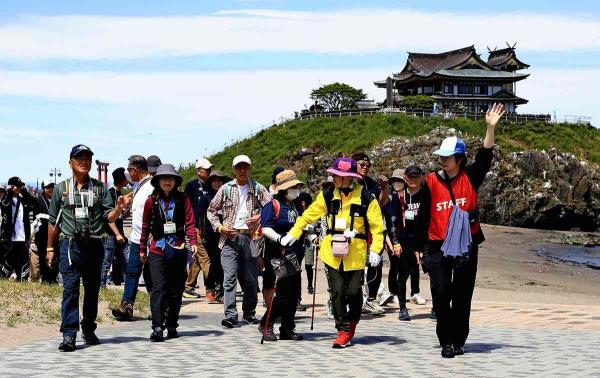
[(349, 32)]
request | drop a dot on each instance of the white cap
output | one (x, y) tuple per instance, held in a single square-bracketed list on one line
[(241, 159), (47, 181), (203, 163)]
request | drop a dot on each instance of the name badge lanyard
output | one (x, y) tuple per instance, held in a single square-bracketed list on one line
[(402, 205), (83, 208), (165, 210)]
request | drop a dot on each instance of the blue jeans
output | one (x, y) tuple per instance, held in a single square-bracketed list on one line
[(80, 262), (133, 273), (112, 251)]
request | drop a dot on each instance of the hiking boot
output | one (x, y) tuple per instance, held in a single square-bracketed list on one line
[(448, 351), (157, 335), (191, 294), (418, 299), (458, 350), (229, 322), (210, 297), (251, 319), (353, 329), (90, 338), (403, 315), (342, 340), (172, 333), (300, 307), (124, 311), (432, 315), (268, 334), (68, 344), (330, 309), (290, 335), (371, 307)]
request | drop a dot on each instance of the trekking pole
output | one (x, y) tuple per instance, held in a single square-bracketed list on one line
[(262, 339), (316, 260)]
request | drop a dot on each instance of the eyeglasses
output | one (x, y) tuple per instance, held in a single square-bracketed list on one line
[(365, 165), (129, 169)]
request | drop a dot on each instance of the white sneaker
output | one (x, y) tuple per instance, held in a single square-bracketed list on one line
[(418, 299), (386, 299)]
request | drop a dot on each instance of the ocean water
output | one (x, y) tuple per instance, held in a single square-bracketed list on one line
[(587, 256)]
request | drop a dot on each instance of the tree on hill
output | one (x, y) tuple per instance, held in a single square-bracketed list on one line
[(337, 96), (418, 102)]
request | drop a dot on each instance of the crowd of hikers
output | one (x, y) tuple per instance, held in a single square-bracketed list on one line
[(235, 230)]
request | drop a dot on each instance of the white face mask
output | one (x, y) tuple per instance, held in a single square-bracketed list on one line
[(398, 185), (292, 194)]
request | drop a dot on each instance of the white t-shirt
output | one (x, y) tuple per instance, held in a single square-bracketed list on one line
[(242, 214), (137, 210), (19, 232)]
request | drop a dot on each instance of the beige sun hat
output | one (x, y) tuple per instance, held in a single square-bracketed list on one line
[(287, 179)]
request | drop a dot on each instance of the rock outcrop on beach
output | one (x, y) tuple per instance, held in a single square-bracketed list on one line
[(535, 189)]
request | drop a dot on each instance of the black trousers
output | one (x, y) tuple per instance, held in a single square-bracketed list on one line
[(284, 303), (406, 264), (345, 290), (215, 273), (48, 275), (374, 275), (17, 261), (452, 284), (168, 282)]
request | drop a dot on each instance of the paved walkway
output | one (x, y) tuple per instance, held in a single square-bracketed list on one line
[(505, 340)]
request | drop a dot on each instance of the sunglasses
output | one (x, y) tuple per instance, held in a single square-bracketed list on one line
[(365, 165)]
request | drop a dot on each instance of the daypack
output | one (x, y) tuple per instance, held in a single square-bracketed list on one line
[(230, 184)]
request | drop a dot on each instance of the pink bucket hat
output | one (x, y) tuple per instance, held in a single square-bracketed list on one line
[(344, 167)]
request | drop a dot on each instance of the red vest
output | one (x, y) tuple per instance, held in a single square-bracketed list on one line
[(441, 202)]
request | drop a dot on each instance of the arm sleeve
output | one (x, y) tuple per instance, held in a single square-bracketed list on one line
[(55, 204), (477, 170), (213, 209), (375, 226), (314, 212), (190, 229), (391, 219), (146, 220), (107, 202)]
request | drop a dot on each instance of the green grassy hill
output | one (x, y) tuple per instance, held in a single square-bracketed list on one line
[(351, 134)]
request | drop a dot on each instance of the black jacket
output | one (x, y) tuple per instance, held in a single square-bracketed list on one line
[(29, 204)]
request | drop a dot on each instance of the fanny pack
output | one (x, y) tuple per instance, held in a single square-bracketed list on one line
[(286, 265), (340, 246)]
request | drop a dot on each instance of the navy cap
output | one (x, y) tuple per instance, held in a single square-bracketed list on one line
[(413, 170), (76, 150), (15, 181)]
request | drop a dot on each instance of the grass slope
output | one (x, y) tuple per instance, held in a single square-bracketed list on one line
[(351, 134)]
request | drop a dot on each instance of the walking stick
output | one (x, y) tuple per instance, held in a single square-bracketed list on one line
[(316, 264)]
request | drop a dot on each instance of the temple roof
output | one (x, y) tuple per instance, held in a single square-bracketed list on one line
[(503, 57)]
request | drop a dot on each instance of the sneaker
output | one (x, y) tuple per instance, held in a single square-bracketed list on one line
[(68, 344), (458, 350), (267, 333), (386, 299), (124, 311), (290, 335), (342, 340), (403, 315), (330, 309), (300, 307), (432, 315), (157, 335), (210, 297), (418, 299), (371, 307), (90, 338), (448, 351), (311, 290), (229, 322), (251, 319), (191, 294), (172, 334)]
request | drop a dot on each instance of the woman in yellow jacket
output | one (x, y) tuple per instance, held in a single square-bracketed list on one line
[(355, 234)]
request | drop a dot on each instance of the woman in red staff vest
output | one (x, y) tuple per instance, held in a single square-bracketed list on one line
[(454, 236)]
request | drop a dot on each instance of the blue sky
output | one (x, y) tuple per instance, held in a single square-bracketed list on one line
[(181, 78)]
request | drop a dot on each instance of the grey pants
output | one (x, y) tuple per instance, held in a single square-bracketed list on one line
[(238, 262)]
